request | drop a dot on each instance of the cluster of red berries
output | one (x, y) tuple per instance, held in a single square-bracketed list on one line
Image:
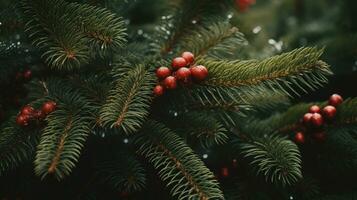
[(183, 71), (24, 75), (28, 113), (315, 119)]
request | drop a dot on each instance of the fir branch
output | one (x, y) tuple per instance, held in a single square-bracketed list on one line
[(185, 17), (218, 40), (204, 126), (177, 164), (16, 146), (300, 68), (55, 33), (274, 157), (128, 102), (66, 131), (68, 32), (123, 172), (61, 143)]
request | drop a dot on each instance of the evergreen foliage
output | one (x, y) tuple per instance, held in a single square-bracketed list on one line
[(100, 71)]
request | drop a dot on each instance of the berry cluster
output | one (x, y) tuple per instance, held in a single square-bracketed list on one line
[(24, 76), (183, 71), (28, 113), (314, 120)]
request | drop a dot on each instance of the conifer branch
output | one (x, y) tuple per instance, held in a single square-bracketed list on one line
[(16, 146), (300, 68), (177, 164), (67, 33), (128, 102), (274, 157), (218, 40)]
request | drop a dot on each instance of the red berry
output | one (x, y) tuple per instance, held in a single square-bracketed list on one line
[(225, 172), (163, 72), (183, 74), (170, 82), (317, 120), (48, 107), (299, 137), (329, 112), (158, 90), (199, 72), (307, 118), (243, 5), (320, 136), (27, 74), (178, 62), (335, 100), (22, 120), (27, 110), (315, 109), (188, 56)]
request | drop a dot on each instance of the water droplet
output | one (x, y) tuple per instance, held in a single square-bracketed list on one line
[(140, 32), (175, 114), (205, 156), (271, 41), (194, 22), (126, 141), (230, 15), (257, 29)]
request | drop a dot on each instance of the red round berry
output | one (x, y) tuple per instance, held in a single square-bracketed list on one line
[(329, 112), (183, 74), (335, 100), (178, 62), (22, 120), (48, 107), (27, 110), (199, 72), (163, 72), (158, 90), (27, 74), (320, 136), (188, 56), (243, 5), (315, 109), (170, 82), (225, 172), (307, 118), (299, 137), (317, 120)]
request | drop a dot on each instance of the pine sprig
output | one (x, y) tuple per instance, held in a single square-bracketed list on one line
[(278, 159), (183, 171), (55, 34), (218, 40), (66, 131), (124, 172), (61, 143), (292, 72), (69, 34), (203, 126), (16, 146), (128, 102)]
